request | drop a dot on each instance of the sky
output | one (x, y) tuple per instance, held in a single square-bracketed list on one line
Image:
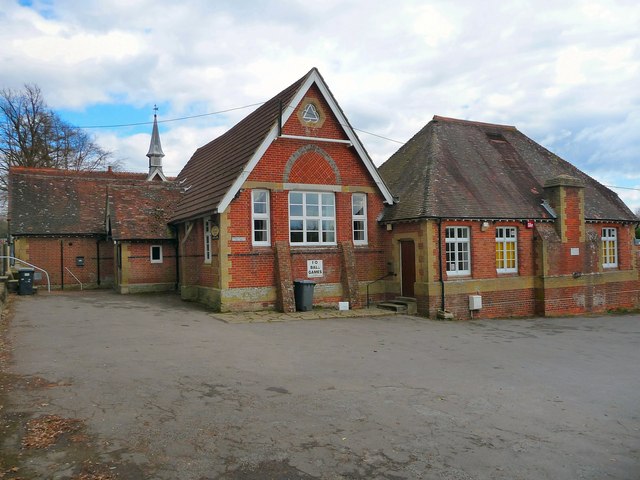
[(565, 73)]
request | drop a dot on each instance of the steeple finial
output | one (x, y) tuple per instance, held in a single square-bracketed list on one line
[(155, 153)]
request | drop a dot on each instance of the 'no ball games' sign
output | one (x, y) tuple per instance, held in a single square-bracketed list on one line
[(314, 268)]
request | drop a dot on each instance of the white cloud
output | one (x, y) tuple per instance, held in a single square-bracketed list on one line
[(565, 73)]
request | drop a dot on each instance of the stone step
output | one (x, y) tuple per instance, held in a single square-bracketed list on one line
[(406, 299), (393, 306), (411, 304)]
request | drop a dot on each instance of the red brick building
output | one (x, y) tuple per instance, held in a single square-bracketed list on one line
[(287, 194), (488, 223), (96, 229), (483, 222)]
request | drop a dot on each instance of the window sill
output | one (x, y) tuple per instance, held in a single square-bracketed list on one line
[(466, 276)]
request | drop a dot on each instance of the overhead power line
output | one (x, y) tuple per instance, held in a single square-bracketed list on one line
[(172, 119), (626, 188), (178, 119)]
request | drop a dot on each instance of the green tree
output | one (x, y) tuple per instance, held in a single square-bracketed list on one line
[(33, 135)]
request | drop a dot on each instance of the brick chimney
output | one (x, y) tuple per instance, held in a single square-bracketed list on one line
[(565, 194)]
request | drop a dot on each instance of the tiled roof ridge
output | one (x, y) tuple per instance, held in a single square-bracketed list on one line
[(255, 113), (438, 118), (96, 174), (228, 155)]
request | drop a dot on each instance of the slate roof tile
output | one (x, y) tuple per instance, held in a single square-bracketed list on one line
[(63, 202), (462, 169), (142, 211), (213, 168)]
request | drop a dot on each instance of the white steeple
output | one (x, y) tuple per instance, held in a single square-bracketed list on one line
[(155, 153)]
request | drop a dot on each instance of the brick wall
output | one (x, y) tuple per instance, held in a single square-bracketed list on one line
[(545, 283), (318, 165), (193, 269), (55, 255), (142, 271)]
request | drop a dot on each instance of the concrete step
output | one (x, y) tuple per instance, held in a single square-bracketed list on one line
[(409, 302), (393, 306)]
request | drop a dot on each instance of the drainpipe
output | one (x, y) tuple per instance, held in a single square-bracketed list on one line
[(98, 259), (176, 245), (62, 264), (440, 263)]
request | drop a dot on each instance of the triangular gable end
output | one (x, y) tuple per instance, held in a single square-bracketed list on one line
[(313, 77)]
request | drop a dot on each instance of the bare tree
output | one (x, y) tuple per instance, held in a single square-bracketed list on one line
[(32, 135)]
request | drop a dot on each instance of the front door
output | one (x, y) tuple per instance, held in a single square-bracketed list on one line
[(408, 262)]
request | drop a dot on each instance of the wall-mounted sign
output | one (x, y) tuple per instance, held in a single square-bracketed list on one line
[(315, 268), (215, 232), (575, 252), (529, 223), (238, 239)]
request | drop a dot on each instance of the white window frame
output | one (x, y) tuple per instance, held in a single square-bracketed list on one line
[(159, 247), (504, 239), (609, 235), (458, 245), (359, 218), (260, 216), (305, 218), (207, 239)]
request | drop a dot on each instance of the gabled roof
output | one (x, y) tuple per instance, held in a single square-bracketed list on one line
[(462, 169), (141, 211), (216, 171), (65, 202)]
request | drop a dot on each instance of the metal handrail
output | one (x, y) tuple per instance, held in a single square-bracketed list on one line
[(67, 269), (390, 274), (32, 266)]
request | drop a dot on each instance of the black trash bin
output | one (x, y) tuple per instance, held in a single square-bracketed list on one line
[(25, 281), (303, 293)]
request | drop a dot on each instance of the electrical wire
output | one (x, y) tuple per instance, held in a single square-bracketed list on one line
[(625, 188), (172, 119), (178, 119), (137, 124)]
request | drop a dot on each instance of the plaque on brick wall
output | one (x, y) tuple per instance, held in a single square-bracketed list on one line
[(315, 268)]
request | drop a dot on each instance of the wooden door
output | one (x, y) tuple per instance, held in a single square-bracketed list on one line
[(408, 262)]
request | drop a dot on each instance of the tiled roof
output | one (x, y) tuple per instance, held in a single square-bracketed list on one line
[(461, 169), (213, 168), (63, 202), (141, 211)]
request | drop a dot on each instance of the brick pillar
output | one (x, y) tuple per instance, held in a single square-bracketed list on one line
[(566, 196), (284, 279), (349, 278), (565, 258)]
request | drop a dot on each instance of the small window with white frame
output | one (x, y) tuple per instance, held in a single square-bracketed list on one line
[(506, 250), (458, 251), (312, 218), (207, 240), (359, 216), (155, 253), (260, 223), (609, 247)]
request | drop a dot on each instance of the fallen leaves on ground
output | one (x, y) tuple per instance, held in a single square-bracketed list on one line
[(44, 431), (91, 471)]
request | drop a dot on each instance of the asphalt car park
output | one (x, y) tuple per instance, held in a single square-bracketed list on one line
[(165, 389)]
